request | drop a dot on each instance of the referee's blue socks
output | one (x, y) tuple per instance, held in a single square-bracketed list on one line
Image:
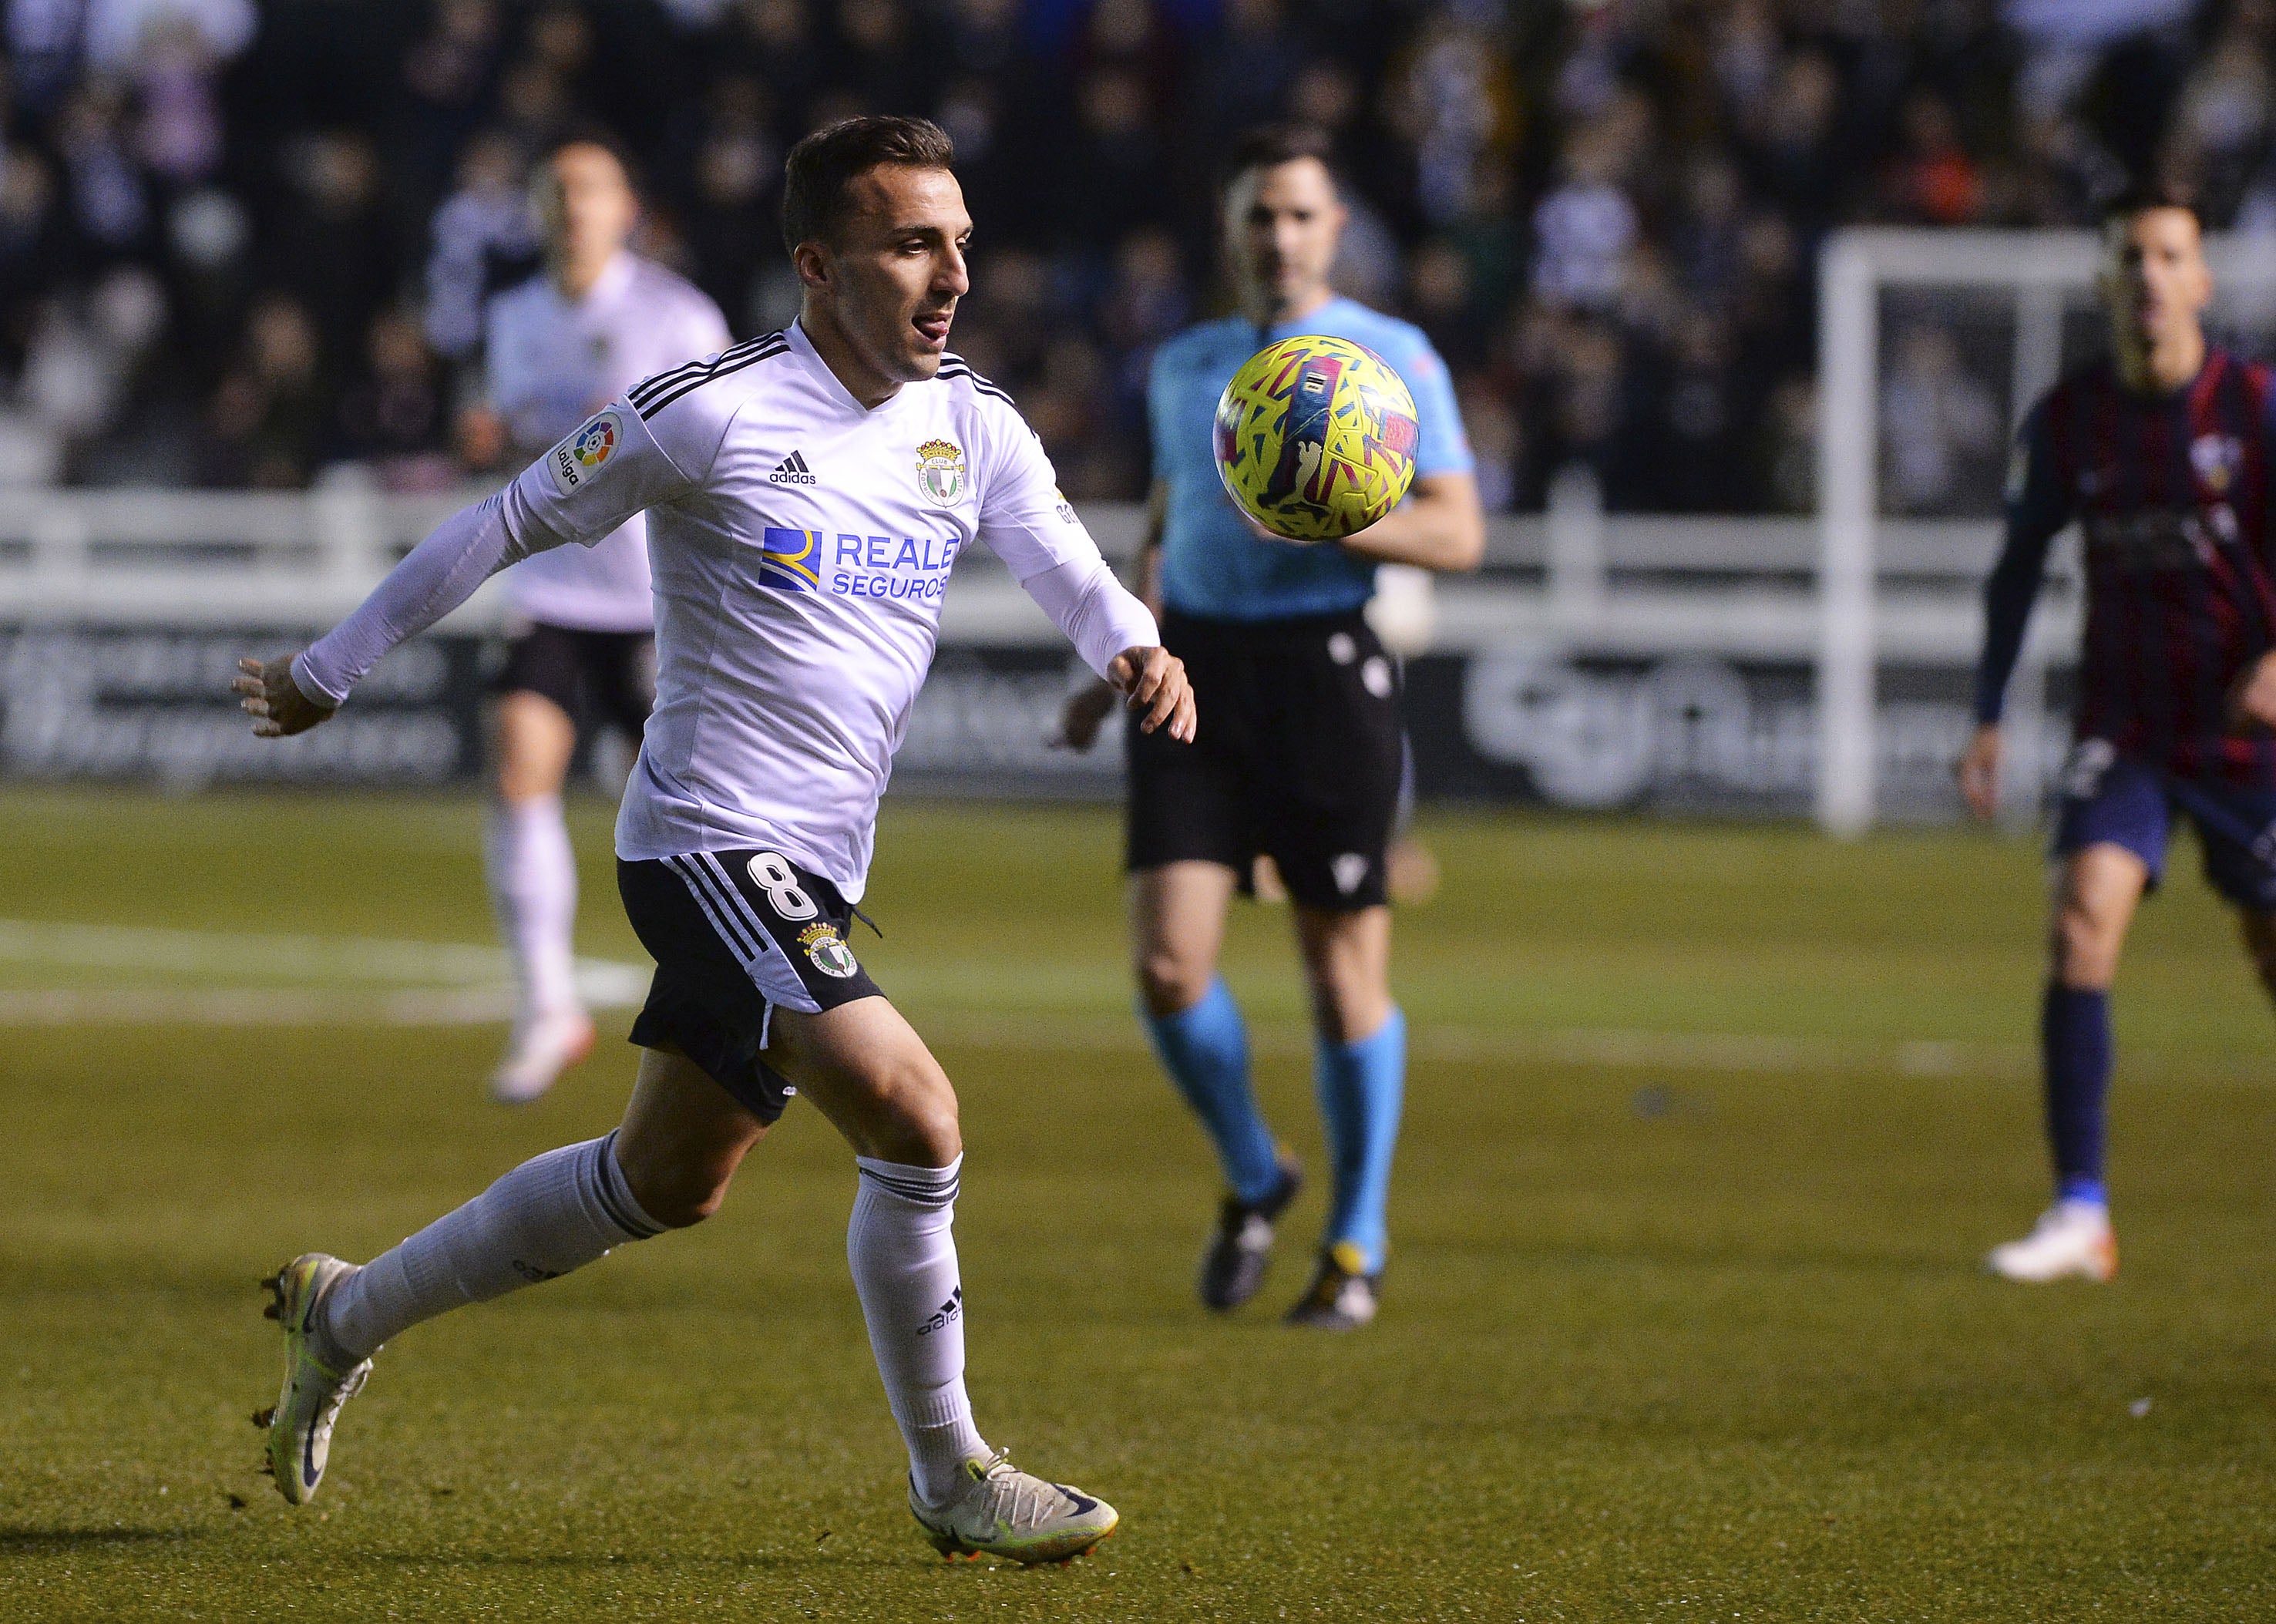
[(2075, 1047), (1361, 1086), (1205, 1051)]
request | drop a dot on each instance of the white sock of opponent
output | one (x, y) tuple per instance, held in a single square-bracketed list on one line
[(556, 1212), (532, 876), (903, 1252)]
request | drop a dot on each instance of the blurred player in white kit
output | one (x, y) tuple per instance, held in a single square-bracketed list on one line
[(559, 348)]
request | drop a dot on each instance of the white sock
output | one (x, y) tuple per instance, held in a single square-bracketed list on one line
[(556, 1212), (902, 1247), (533, 876)]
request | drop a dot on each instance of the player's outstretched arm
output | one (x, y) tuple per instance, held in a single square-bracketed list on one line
[(1087, 709), (1030, 526), (291, 696), (2037, 507), (1119, 638), (579, 492)]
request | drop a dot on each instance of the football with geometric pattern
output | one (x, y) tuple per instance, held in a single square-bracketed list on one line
[(1315, 439)]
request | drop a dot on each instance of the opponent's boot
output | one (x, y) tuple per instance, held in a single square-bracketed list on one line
[(544, 1047), (999, 1510), (1343, 1295), (1240, 1249), (300, 1426), (2072, 1240)]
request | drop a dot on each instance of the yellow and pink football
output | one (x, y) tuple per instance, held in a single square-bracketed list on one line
[(1315, 439)]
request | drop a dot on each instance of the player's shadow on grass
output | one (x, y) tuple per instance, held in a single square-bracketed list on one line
[(20, 1541)]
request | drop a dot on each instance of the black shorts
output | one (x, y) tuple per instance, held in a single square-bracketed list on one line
[(598, 678), (1300, 756), (734, 934)]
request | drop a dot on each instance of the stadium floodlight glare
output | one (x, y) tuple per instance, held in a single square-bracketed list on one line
[(2046, 274)]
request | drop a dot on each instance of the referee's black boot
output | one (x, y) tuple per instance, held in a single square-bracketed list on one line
[(1242, 1250)]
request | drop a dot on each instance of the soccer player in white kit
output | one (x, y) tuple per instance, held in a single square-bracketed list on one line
[(559, 348), (807, 493)]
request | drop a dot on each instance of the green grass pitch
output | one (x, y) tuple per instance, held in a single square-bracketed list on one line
[(1707, 1128)]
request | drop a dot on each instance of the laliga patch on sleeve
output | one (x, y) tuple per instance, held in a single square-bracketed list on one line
[(585, 454)]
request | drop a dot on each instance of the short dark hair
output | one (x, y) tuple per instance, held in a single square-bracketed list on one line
[(822, 164), (1267, 145), (2140, 199)]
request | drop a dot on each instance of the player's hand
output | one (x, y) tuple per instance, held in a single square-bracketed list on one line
[(2253, 699), (274, 701), (1153, 682), (1084, 713), (1979, 771)]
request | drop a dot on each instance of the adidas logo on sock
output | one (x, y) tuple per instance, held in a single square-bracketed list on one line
[(791, 471), (952, 1308)]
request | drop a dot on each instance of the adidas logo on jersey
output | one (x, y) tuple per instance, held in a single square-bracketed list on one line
[(793, 471)]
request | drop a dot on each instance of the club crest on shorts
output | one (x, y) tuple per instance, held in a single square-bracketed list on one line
[(940, 470), (582, 455), (828, 950)]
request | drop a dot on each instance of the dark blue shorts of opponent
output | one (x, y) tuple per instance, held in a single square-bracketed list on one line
[(2117, 800)]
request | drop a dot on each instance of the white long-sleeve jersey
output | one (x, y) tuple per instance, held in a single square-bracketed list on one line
[(551, 362), (802, 543)]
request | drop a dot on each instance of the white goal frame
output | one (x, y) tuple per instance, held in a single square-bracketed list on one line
[(2044, 271)]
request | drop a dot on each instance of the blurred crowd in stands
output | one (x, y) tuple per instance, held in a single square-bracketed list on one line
[(246, 244)]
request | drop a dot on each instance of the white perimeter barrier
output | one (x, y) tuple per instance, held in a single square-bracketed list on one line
[(1575, 576), (1563, 628)]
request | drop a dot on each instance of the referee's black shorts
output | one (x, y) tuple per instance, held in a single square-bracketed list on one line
[(1300, 757)]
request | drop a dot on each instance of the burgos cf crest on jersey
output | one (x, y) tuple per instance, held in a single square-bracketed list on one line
[(582, 454), (940, 470)]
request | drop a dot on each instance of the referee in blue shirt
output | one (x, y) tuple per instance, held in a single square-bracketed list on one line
[(1303, 753)]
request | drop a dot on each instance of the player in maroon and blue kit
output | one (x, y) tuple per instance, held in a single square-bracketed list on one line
[(2161, 454)]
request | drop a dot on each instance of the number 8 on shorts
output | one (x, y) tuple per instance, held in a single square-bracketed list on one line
[(772, 874)]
